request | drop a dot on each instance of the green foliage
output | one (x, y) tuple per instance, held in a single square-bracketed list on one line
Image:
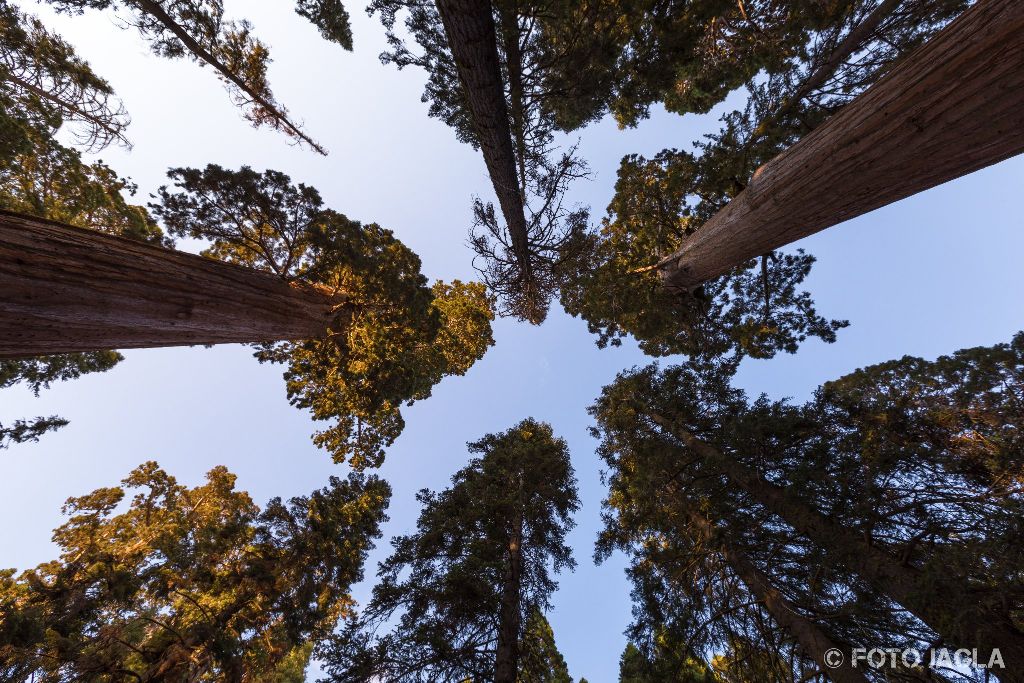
[(666, 666), (443, 587), (188, 583), (393, 338), (38, 374), (198, 30), (44, 84), (540, 661), (923, 458), (758, 310), (330, 17), (809, 61), (624, 57)]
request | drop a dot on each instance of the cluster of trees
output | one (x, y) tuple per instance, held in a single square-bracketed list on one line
[(886, 512)]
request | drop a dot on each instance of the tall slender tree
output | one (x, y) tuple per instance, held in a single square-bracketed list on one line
[(460, 591), (484, 63), (198, 30), (187, 583)]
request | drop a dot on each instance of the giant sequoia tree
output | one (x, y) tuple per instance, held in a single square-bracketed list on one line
[(461, 590), (814, 59), (188, 584), (45, 88), (392, 337), (485, 63), (893, 484)]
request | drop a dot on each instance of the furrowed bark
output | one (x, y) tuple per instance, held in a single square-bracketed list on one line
[(469, 28), (945, 605), (808, 634), (953, 106), (65, 289)]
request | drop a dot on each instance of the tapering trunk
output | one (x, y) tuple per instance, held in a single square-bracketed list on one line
[(469, 29), (808, 634), (953, 106), (66, 289), (506, 660), (514, 69), (944, 604)]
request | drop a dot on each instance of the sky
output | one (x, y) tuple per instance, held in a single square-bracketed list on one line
[(928, 275)]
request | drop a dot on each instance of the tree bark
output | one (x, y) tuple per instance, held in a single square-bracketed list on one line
[(469, 28), (65, 289), (953, 106), (945, 605), (808, 634), (506, 660)]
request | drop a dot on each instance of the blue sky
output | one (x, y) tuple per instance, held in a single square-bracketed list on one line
[(931, 274)]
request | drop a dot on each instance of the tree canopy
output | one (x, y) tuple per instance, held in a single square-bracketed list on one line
[(393, 338), (920, 457), (461, 590), (188, 583), (797, 63)]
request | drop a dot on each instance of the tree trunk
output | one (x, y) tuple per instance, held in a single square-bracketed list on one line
[(469, 28), (953, 106), (945, 605), (506, 660), (65, 289), (811, 638)]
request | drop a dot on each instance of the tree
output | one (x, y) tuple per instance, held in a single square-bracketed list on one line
[(188, 583), (540, 660), (393, 338), (460, 591), (197, 29), (864, 488), (663, 666), (484, 65), (815, 62)]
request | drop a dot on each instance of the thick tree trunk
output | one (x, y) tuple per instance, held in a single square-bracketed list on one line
[(506, 660), (469, 28), (66, 289), (945, 605), (953, 106), (811, 638)]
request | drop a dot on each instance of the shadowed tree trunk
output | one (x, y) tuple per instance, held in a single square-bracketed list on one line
[(811, 638), (945, 605), (469, 28), (506, 660), (65, 289), (953, 106)]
